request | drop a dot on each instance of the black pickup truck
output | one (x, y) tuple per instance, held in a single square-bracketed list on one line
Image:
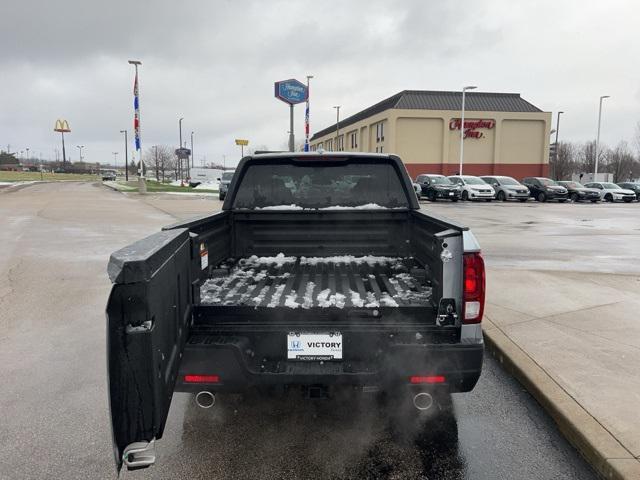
[(320, 271)]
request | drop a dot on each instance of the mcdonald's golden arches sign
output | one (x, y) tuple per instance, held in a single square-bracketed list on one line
[(62, 126)]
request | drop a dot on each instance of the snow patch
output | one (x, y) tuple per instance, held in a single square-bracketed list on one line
[(280, 207)]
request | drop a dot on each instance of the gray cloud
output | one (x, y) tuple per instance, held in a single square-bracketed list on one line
[(214, 63)]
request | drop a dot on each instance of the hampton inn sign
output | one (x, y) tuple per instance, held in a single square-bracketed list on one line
[(471, 127)]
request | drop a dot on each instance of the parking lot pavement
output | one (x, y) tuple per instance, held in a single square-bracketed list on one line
[(563, 283), (56, 241)]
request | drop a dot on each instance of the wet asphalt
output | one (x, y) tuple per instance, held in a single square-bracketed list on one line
[(53, 402)]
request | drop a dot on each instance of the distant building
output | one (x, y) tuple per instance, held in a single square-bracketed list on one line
[(505, 134)]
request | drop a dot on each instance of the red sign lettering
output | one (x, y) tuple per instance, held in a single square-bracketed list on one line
[(471, 126)]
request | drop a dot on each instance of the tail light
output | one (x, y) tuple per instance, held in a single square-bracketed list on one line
[(417, 379), (474, 285), (202, 379)]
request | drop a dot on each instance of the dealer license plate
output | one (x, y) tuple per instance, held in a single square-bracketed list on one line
[(314, 346)]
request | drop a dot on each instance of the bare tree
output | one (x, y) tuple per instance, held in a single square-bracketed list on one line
[(621, 162), (163, 159), (565, 162), (636, 139), (586, 155)]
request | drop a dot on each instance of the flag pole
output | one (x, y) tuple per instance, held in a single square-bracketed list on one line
[(142, 185), (306, 118)]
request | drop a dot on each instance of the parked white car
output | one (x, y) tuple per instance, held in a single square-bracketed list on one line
[(473, 188), (610, 192)]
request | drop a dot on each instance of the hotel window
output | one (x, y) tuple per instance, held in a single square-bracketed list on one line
[(330, 145), (354, 140), (340, 143), (380, 132)]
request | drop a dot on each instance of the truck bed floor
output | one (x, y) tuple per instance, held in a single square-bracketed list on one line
[(310, 282)]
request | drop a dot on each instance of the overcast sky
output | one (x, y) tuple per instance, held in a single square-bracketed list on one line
[(214, 63)]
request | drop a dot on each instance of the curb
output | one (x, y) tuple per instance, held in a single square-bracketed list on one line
[(117, 188), (609, 458)]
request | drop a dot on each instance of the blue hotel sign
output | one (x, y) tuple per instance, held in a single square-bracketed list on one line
[(291, 91)]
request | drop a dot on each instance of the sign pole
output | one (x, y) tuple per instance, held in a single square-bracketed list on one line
[(291, 137), (291, 92), (62, 126), (64, 154)]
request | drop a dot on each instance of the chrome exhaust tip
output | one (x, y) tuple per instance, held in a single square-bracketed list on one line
[(423, 401), (205, 399)]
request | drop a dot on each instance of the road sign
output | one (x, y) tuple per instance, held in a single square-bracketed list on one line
[(242, 142), (183, 153), (291, 91)]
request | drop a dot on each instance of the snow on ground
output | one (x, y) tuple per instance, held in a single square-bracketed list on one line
[(207, 186)]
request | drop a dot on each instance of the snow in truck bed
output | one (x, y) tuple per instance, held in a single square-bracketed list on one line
[(308, 282)]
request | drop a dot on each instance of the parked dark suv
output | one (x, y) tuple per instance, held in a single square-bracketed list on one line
[(543, 189), (633, 186), (438, 186)]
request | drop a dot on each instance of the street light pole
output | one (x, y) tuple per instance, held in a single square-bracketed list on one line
[(155, 148), (191, 149), (337, 107), (115, 159), (80, 147), (126, 156), (557, 132), (595, 170), (471, 87), (555, 155)]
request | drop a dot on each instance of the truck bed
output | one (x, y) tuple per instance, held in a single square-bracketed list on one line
[(294, 282)]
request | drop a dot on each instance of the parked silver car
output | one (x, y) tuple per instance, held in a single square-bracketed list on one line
[(473, 188), (507, 188)]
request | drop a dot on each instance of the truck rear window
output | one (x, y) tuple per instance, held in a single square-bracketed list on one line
[(314, 186)]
